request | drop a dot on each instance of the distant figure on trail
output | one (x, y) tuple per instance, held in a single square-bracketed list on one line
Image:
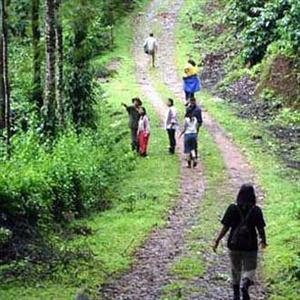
[(134, 116), (191, 82), (190, 138), (171, 125), (143, 132), (197, 113), (244, 219), (151, 47)]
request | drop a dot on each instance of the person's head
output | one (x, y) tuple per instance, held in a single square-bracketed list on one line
[(189, 114), (137, 102), (246, 196), (142, 111), (170, 102), (192, 62), (193, 102), (151, 34)]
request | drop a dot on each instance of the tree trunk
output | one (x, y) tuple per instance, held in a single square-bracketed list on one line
[(5, 74), (50, 85), (2, 97), (37, 93), (60, 64)]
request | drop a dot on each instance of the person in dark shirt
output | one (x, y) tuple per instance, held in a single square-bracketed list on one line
[(133, 124), (197, 113), (244, 219)]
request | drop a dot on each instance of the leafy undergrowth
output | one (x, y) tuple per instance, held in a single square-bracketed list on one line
[(280, 185), (139, 203), (225, 42)]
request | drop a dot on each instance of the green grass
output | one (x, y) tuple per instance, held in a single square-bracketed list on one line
[(281, 188), (191, 265), (281, 203), (144, 197)]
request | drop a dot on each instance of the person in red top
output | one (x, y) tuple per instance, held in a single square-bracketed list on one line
[(143, 132), (244, 220)]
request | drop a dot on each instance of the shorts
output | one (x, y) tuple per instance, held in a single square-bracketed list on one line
[(190, 142)]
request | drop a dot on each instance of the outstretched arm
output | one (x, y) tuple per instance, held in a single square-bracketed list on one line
[(222, 233)]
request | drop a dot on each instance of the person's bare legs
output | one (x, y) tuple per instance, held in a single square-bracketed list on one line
[(153, 59)]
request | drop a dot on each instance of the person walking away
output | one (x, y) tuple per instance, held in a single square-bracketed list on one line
[(190, 138), (134, 116), (143, 132), (151, 47), (244, 219), (171, 125), (191, 82), (197, 113)]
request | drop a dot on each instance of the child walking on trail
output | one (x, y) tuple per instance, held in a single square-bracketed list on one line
[(190, 138), (244, 220), (143, 132), (151, 47)]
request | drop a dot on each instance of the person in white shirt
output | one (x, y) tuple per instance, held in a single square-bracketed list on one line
[(143, 132), (171, 125), (190, 138), (151, 47)]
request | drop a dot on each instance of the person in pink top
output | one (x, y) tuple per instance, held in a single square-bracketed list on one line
[(143, 132)]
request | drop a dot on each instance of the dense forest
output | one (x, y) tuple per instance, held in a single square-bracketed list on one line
[(59, 160), (64, 151)]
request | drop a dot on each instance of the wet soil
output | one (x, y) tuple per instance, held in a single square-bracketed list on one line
[(150, 271)]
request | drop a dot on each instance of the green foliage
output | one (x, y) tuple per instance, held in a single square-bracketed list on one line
[(259, 23), (281, 264), (76, 177)]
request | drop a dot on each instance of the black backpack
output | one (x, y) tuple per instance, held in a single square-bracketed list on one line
[(241, 237)]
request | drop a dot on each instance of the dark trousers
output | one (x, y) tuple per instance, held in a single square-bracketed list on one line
[(243, 265), (188, 96), (172, 139), (134, 139)]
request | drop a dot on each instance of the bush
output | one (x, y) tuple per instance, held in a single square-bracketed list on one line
[(259, 23), (75, 178)]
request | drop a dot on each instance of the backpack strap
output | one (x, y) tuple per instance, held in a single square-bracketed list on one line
[(244, 219)]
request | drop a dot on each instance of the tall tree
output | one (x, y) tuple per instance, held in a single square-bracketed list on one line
[(5, 72), (60, 63), (50, 85), (37, 94), (2, 97), (80, 77)]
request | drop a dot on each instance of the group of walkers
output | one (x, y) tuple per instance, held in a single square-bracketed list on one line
[(140, 128), (244, 219), (139, 121)]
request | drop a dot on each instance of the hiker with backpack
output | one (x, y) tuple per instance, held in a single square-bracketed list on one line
[(191, 82), (244, 220), (151, 47)]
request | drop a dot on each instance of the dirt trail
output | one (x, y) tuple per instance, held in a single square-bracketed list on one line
[(150, 270), (149, 273)]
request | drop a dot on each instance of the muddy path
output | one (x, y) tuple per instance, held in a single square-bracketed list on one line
[(150, 270)]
